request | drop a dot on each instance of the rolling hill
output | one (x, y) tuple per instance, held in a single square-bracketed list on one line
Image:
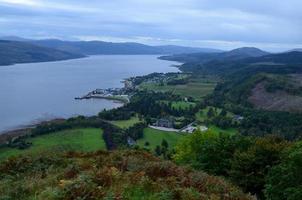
[(252, 77), (12, 52)]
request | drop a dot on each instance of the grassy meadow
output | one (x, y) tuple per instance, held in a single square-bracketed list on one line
[(201, 116), (180, 105), (155, 137), (197, 87), (86, 139), (126, 123), (195, 90), (217, 130)]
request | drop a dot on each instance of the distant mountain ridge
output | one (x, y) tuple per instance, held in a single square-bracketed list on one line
[(298, 49), (201, 57), (111, 48), (12, 52), (20, 50)]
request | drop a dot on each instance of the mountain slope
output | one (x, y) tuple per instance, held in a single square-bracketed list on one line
[(263, 96), (12, 52), (272, 82)]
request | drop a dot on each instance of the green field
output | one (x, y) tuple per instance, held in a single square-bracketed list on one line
[(197, 87), (88, 139), (126, 123), (183, 105), (192, 89), (201, 116), (155, 137), (230, 131)]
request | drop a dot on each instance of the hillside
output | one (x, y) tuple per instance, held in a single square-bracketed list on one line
[(12, 52), (279, 100), (108, 175), (204, 57), (278, 93), (220, 64), (266, 90)]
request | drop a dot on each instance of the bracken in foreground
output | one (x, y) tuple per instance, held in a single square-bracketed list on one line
[(108, 175)]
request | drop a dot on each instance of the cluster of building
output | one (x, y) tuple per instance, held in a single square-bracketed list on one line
[(108, 91), (168, 124)]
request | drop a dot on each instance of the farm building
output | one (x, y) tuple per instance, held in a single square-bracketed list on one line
[(165, 122)]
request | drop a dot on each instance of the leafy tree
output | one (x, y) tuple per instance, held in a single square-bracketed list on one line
[(223, 113), (284, 181), (209, 151), (136, 131), (164, 144), (158, 150), (244, 160), (250, 167), (211, 113)]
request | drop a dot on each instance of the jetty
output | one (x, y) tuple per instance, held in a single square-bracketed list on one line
[(110, 94)]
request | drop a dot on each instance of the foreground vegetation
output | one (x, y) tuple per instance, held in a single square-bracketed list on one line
[(269, 167), (128, 175)]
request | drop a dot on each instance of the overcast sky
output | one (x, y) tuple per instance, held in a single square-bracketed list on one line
[(273, 25)]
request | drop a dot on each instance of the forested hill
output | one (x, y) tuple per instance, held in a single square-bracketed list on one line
[(266, 89), (243, 60), (204, 57), (12, 52)]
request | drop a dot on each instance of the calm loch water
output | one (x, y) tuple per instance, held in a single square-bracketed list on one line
[(34, 92)]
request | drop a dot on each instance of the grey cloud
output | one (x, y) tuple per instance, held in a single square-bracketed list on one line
[(274, 25)]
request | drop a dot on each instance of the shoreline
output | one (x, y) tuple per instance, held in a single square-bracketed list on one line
[(25, 129)]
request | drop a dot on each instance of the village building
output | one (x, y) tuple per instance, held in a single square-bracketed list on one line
[(165, 122)]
